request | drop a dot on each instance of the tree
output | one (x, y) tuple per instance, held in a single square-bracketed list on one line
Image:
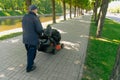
[(80, 5), (116, 69), (28, 3), (75, 7), (102, 17), (70, 3), (53, 11), (95, 10), (64, 9), (98, 17)]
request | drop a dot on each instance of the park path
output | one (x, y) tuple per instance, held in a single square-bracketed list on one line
[(115, 17), (67, 64)]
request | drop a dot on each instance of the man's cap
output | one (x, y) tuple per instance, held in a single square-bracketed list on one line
[(32, 7)]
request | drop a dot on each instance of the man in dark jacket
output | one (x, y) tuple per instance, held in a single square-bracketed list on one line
[(32, 29)]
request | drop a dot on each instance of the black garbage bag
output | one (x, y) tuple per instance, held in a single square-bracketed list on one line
[(51, 37)]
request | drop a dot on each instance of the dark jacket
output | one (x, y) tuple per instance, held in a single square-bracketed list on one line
[(32, 29)]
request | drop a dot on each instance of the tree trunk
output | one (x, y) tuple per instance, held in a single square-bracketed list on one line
[(64, 8), (98, 16), (53, 11), (75, 11), (116, 70), (81, 11), (70, 9), (28, 3), (102, 17), (86, 11), (78, 10), (95, 10)]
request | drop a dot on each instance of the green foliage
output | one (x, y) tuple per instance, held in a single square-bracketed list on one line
[(44, 6), (14, 7), (84, 4), (58, 7), (11, 13), (101, 52), (4, 13), (12, 4), (47, 9)]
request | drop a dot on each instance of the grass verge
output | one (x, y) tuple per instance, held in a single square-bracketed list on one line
[(101, 52), (10, 35)]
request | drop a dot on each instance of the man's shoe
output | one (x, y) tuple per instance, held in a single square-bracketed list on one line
[(33, 68)]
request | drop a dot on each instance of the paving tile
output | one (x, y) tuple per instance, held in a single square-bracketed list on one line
[(67, 64)]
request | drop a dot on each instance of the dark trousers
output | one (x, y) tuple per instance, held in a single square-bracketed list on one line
[(31, 54)]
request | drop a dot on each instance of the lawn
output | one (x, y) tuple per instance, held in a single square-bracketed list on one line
[(101, 52)]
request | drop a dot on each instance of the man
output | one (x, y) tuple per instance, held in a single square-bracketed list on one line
[(32, 30)]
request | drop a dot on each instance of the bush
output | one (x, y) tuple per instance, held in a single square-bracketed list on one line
[(11, 13)]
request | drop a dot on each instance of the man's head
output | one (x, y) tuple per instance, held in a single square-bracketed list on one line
[(33, 8)]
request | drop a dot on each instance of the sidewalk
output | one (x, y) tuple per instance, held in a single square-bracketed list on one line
[(67, 64), (114, 17)]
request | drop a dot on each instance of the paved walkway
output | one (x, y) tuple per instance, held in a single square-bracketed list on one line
[(67, 64), (115, 17)]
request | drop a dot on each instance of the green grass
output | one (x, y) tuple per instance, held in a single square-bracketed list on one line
[(10, 35), (101, 52)]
